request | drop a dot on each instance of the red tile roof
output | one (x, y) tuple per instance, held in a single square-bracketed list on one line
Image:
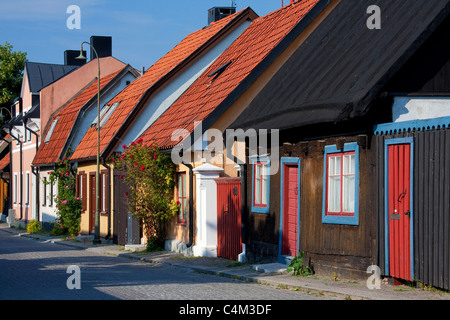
[(49, 152), (5, 161), (187, 49), (231, 68)]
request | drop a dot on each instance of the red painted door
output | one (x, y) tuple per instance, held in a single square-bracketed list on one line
[(92, 202), (399, 211), (229, 240), (290, 210)]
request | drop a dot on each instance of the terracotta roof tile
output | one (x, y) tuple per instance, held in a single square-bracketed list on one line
[(5, 161), (130, 96), (207, 92), (49, 152)]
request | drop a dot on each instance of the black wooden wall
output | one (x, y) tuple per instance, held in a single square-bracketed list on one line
[(431, 205)]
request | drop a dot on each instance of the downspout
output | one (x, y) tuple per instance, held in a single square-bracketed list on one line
[(242, 257), (21, 191), (191, 206), (10, 177), (36, 174), (109, 198)]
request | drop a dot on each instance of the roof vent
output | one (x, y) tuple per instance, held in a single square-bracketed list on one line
[(218, 13)]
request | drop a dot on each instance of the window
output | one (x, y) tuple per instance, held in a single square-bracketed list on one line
[(182, 198), (341, 177), (27, 189), (15, 188), (44, 201), (50, 199), (50, 131), (260, 184), (81, 189), (103, 192)]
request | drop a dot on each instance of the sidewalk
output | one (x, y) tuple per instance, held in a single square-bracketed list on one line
[(273, 274)]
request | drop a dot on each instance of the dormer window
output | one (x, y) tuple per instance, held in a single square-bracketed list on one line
[(50, 131)]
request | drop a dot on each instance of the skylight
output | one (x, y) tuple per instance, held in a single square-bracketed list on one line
[(50, 131)]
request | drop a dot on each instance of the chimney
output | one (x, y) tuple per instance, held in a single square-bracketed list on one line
[(103, 46), (217, 13), (70, 58)]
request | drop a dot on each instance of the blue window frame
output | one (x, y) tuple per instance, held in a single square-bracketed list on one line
[(260, 183), (341, 184)]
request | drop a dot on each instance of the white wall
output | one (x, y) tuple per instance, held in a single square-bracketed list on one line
[(420, 108), (163, 99)]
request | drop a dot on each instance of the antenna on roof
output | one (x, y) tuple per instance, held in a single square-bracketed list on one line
[(233, 4)]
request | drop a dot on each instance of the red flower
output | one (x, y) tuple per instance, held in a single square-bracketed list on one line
[(131, 156), (178, 203), (126, 193), (124, 146), (140, 140), (142, 168), (121, 176), (154, 156), (135, 163)]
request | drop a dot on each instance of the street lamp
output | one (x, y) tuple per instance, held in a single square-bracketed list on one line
[(97, 179)]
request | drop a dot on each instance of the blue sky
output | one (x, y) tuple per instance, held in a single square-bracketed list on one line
[(142, 31)]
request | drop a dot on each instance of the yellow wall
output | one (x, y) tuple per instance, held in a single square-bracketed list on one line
[(88, 168)]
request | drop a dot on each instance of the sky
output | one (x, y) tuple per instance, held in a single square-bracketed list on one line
[(142, 31)]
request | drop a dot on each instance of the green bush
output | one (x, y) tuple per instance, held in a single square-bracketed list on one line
[(297, 266), (34, 226), (67, 203)]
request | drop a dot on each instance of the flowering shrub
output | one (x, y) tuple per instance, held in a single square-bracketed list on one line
[(67, 203), (150, 176), (34, 227)]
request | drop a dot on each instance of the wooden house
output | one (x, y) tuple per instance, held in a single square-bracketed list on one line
[(331, 198), (135, 108), (196, 123)]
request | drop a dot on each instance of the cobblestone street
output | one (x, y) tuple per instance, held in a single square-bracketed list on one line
[(37, 270)]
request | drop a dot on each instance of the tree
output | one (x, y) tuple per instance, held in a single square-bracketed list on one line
[(12, 64), (150, 176)]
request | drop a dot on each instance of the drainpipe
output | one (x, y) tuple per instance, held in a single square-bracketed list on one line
[(244, 216), (109, 198), (10, 177), (35, 173), (191, 206), (21, 178)]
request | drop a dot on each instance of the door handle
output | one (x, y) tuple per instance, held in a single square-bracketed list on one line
[(402, 195), (408, 213)]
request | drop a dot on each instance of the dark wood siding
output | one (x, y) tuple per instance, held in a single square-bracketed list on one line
[(431, 205), (345, 249)]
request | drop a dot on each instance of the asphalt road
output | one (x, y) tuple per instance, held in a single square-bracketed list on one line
[(33, 270)]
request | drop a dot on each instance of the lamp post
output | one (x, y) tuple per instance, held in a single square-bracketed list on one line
[(97, 178)]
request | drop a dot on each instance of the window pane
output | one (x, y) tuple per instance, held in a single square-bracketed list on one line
[(258, 191), (349, 164), (331, 161), (334, 194), (180, 183), (348, 204)]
